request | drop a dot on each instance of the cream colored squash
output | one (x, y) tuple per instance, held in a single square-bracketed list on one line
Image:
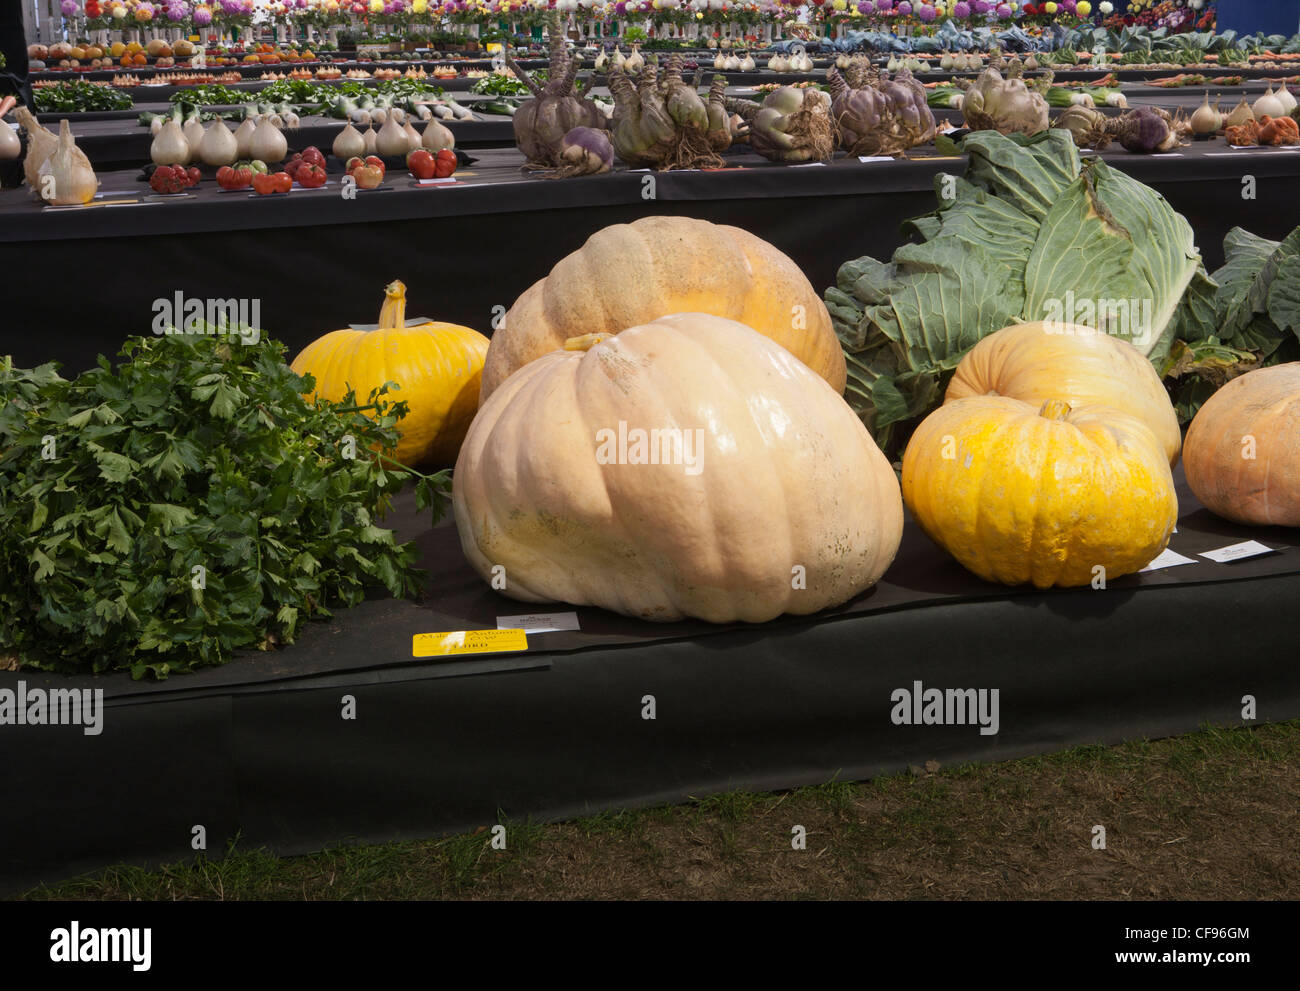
[(774, 473), (1038, 361), (630, 274)]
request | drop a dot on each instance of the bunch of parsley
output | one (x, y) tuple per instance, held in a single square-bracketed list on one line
[(158, 515)]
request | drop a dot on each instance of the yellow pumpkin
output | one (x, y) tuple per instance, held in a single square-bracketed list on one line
[(1044, 494), (1038, 361), (629, 274), (1242, 455), (685, 467), (437, 365)]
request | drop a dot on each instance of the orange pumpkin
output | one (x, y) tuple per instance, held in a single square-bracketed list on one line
[(1242, 454)]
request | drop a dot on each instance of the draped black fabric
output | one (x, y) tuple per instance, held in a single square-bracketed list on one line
[(259, 746)]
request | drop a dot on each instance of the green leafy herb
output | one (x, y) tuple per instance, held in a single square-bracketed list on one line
[(79, 96), (210, 94), (158, 515)]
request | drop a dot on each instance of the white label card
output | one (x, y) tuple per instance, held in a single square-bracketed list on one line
[(1168, 559), (806, 165), (875, 158), (1235, 552), (552, 622)]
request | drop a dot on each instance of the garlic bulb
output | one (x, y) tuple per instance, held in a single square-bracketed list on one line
[(437, 137), (1269, 105), (777, 63), (733, 64), (413, 140), (391, 139), (1031, 63), (398, 114), (893, 65), (379, 115), (171, 147), (349, 143), (634, 61), (64, 179), (618, 62), (194, 135), (1241, 113), (602, 61), (369, 137), (155, 126), (244, 137), (10, 146), (218, 146), (268, 144), (1286, 98), (747, 64), (945, 62), (720, 61), (1205, 120)]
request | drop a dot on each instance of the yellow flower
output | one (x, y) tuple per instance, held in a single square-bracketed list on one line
[(376, 6), (1084, 8), (1050, 7), (839, 4)]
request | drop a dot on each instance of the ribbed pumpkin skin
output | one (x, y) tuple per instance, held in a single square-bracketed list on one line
[(787, 476), (1263, 404), (631, 274), (438, 366), (1028, 499), (1034, 362)]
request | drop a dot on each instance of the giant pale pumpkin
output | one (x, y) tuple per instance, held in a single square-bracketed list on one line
[(1242, 455), (1044, 494), (631, 274), (437, 365), (1038, 361), (685, 467)]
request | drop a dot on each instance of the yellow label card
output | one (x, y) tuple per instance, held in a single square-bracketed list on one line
[(468, 642)]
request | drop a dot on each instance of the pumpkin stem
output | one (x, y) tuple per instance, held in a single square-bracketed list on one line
[(585, 343), (1055, 409), (393, 313)]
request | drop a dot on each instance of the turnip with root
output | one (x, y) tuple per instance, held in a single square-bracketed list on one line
[(557, 108), (790, 125), (662, 123), (877, 115)]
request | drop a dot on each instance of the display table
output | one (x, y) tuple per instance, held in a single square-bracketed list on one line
[(317, 261), (259, 747)]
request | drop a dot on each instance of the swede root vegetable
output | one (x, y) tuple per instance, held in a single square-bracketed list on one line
[(585, 151), (877, 115), (541, 123), (662, 123), (790, 125), (1146, 130), (1005, 105), (1089, 127)]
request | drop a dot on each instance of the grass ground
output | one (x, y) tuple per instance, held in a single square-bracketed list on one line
[(1207, 815)]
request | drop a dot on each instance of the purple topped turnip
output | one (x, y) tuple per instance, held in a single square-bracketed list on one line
[(541, 123)]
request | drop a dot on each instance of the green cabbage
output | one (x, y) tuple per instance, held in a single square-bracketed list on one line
[(1027, 226)]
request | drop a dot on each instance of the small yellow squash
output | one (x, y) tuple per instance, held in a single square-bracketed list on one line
[(437, 365), (1020, 493)]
